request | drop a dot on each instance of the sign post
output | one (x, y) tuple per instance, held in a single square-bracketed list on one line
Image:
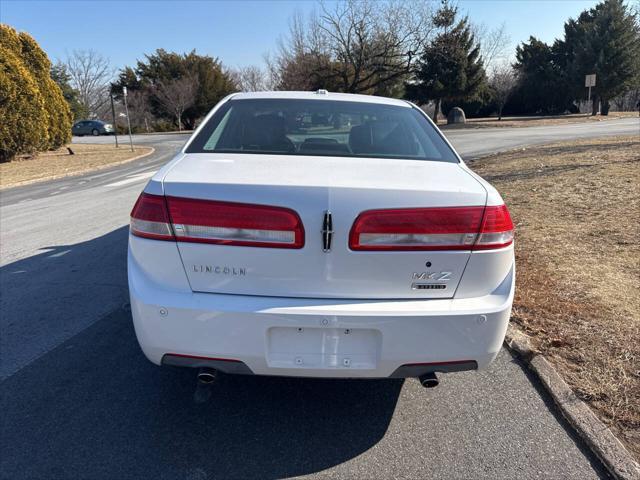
[(126, 108), (590, 81), (113, 116)]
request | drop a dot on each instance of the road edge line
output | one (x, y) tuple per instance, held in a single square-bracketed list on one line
[(598, 437), (81, 172)]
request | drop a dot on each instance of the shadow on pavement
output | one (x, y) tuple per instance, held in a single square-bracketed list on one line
[(94, 407), (49, 297)]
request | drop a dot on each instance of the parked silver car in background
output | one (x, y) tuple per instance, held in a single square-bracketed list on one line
[(92, 127)]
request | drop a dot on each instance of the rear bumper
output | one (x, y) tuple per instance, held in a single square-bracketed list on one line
[(317, 337), (238, 367)]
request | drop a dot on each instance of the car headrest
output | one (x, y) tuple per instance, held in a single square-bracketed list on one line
[(266, 131), (383, 137), (361, 138)]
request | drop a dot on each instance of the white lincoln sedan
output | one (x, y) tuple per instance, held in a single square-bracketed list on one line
[(320, 235)]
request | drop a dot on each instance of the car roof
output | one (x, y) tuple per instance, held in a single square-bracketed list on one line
[(321, 95)]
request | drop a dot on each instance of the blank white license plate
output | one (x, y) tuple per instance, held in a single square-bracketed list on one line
[(323, 348)]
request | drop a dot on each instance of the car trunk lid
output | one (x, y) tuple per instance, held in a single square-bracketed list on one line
[(313, 187)]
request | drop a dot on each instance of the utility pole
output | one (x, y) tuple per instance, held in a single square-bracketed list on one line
[(113, 116), (126, 109)]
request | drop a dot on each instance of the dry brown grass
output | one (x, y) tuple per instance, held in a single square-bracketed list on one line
[(577, 212), (58, 163), (491, 122)]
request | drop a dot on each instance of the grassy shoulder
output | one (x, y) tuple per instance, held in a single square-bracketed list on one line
[(59, 163), (516, 122), (576, 207)]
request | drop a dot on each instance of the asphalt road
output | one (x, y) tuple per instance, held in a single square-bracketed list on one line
[(78, 399), (483, 141)]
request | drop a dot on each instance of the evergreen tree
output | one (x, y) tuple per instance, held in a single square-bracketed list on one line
[(33, 113), (58, 113), (450, 67), (604, 40), (541, 87), (127, 78), (23, 124), (162, 67)]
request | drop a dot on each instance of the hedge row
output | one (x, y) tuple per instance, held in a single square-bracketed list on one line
[(33, 113)]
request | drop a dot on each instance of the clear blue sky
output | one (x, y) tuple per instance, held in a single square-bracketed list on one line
[(238, 32)]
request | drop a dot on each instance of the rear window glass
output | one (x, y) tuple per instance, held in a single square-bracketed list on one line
[(321, 127)]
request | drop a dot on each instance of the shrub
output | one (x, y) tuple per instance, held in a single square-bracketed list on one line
[(23, 124), (58, 111), (34, 115)]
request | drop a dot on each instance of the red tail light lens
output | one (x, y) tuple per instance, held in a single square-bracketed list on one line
[(497, 229), (445, 228), (228, 223), (150, 219), (225, 223)]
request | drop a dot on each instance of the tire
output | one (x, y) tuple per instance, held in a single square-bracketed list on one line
[(95, 132)]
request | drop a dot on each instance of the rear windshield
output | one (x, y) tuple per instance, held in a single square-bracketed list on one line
[(321, 127)]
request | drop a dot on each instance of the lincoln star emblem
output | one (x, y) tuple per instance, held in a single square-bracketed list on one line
[(327, 231)]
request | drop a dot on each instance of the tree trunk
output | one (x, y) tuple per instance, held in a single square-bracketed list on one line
[(594, 105), (179, 123), (604, 107), (500, 113), (436, 111)]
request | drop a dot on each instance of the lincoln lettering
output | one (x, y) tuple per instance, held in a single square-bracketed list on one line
[(220, 270)]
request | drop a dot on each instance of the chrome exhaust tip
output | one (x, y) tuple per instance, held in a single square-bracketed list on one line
[(207, 376), (429, 380)]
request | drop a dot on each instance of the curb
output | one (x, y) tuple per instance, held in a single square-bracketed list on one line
[(172, 132), (598, 437), (81, 172)]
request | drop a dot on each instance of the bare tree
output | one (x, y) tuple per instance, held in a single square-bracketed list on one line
[(176, 96), (90, 74), (494, 43), (374, 43), (353, 46), (503, 80), (302, 58), (140, 109), (251, 79), (272, 73)]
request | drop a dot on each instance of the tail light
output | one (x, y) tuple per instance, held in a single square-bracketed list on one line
[(497, 229), (447, 228), (224, 223), (150, 219)]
